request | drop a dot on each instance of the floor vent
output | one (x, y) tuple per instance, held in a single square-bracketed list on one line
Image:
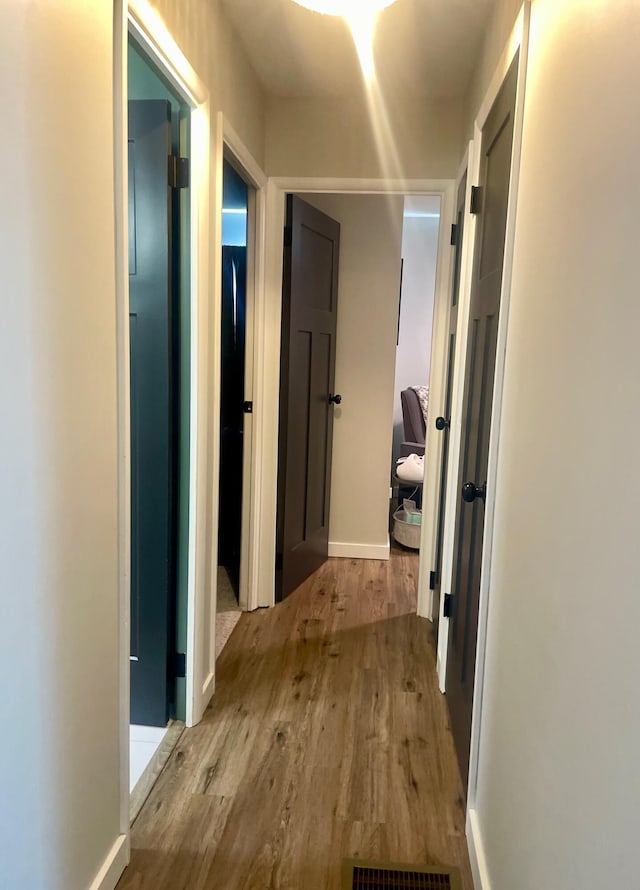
[(359, 875)]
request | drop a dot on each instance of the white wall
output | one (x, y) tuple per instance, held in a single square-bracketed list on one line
[(59, 759), (497, 32), (334, 137), (559, 782), (419, 255), (59, 630), (370, 248), (203, 32)]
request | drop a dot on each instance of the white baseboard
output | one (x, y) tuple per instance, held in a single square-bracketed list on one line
[(114, 864), (476, 853), (359, 551)]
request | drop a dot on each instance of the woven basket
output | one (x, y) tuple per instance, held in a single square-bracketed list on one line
[(406, 533)]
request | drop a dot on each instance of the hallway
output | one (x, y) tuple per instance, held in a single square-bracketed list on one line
[(326, 738)]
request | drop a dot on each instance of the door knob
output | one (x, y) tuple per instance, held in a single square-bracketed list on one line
[(442, 424), (470, 492), (337, 399)]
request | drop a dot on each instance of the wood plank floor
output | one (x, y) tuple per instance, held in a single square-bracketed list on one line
[(326, 738)]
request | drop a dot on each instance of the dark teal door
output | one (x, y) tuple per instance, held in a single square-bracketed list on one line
[(151, 409), (234, 277)]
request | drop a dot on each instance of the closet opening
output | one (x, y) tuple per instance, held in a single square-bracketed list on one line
[(234, 405)]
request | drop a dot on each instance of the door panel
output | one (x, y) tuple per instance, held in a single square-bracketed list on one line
[(309, 312), (497, 143), (151, 409), (134, 375), (317, 515)]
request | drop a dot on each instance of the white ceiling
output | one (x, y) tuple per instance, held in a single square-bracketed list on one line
[(423, 47)]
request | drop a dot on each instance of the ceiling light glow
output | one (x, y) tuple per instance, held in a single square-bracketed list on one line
[(346, 8), (361, 16), (363, 26)]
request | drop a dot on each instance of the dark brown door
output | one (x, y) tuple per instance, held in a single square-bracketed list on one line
[(307, 394), (491, 206), (443, 423)]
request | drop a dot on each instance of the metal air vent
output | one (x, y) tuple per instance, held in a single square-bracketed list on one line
[(359, 875)]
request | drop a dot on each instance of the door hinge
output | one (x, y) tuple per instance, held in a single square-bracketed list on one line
[(447, 607), (454, 235), (178, 172), (279, 562), (475, 199), (247, 407), (288, 236), (179, 664), (432, 580)]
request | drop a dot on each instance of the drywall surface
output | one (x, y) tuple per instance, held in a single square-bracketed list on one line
[(370, 248), (497, 34), (558, 778), (408, 138), (204, 34), (413, 353), (59, 752)]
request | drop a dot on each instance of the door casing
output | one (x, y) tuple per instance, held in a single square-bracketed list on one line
[(445, 434), (230, 144), (517, 43), (136, 17), (268, 356)]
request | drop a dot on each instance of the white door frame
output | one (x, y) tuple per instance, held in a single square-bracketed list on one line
[(518, 43), (253, 175), (268, 350), (470, 166), (140, 19)]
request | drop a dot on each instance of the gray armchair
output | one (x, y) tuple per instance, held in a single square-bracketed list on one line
[(414, 424)]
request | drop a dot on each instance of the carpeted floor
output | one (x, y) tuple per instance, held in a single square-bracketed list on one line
[(227, 609)]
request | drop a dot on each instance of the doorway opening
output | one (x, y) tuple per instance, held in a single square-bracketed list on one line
[(420, 230), (349, 395), (233, 403), (159, 369)]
